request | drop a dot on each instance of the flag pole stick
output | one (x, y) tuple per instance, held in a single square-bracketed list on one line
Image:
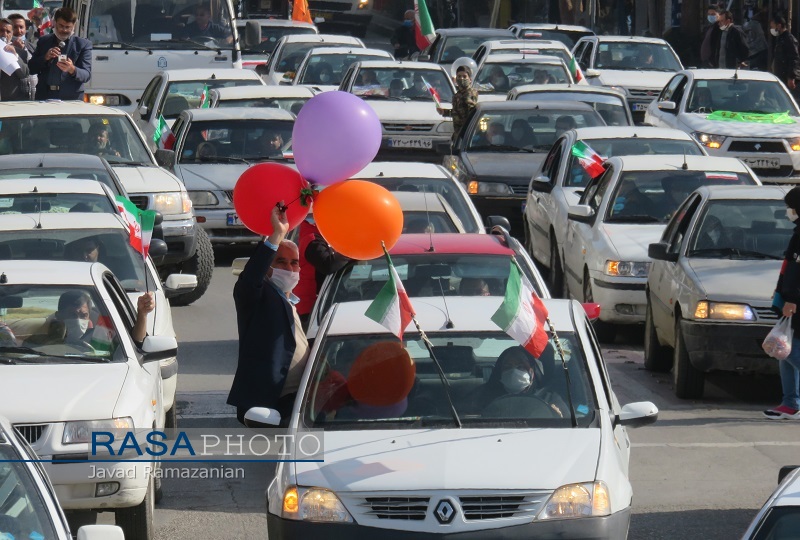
[(439, 369), (560, 350)]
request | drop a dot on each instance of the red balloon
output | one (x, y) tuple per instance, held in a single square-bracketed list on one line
[(382, 375), (260, 188)]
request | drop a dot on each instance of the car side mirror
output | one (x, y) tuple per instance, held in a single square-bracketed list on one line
[(252, 34), (497, 221), (158, 248), (660, 252), (445, 149), (591, 73), (165, 158), (542, 184), (100, 532), (637, 414), (262, 417), (424, 58), (144, 112), (582, 213), (785, 471), (157, 348), (669, 106), (181, 282), (288, 77)]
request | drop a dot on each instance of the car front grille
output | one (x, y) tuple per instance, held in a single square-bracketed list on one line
[(140, 201), (494, 506), (31, 432), (407, 128), (229, 194), (519, 190), (772, 147), (766, 314), (643, 93), (403, 508)]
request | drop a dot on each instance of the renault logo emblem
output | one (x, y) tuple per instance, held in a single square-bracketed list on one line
[(444, 512), (758, 146)]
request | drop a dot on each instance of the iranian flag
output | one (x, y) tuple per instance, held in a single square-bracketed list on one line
[(588, 158), (423, 29), (434, 93), (392, 308), (522, 314), (140, 224), (205, 99), (577, 74), (41, 11), (103, 335), (163, 136)]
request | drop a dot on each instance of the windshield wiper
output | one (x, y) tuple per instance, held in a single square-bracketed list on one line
[(224, 159), (439, 369), (122, 44), (40, 354), (731, 251), (381, 96), (635, 218), (192, 42), (560, 350)]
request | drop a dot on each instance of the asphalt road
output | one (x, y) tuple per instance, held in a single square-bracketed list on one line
[(700, 472)]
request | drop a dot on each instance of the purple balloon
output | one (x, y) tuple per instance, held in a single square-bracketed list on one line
[(335, 135)]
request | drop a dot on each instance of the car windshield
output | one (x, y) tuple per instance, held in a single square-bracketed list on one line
[(633, 55), (611, 108), (741, 229), (293, 105), (430, 221), (343, 395), (65, 172), (567, 37), (533, 50), (402, 84), (526, 130), (449, 274), (445, 188), (578, 177), (270, 36), (740, 95), (186, 95), (111, 137), (653, 196), (55, 203), (108, 246), (327, 69), (499, 78), (780, 523), (55, 324), (223, 141), (292, 54), (183, 24), (456, 47), (23, 512)]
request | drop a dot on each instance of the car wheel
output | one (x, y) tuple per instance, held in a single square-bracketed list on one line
[(137, 521), (171, 418), (606, 332), (656, 356), (689, 381), (556, 276), (158, 492), (202, 265)]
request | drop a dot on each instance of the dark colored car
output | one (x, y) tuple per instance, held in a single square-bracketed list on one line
[(83, 166), (451, 44)]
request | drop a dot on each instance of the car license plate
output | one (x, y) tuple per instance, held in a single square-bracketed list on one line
[(640, 107), (410, 143), (762, 162), (233, 220), (327, 15)]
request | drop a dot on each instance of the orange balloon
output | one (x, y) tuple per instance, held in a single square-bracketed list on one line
[(355, 216), (382, 375)]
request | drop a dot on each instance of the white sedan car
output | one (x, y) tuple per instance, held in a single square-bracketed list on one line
[(500, 73), (622, 212), (66, 333), (560, 179), (523, 46), (506, 461), (771, 149), (322, 68), (290, 51), (288, 98), (779, 518)]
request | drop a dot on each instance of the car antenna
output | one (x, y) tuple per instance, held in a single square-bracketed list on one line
[(439, 369), (428, 218), (736, 73), (685, 165), (560, 349), (39, 216)]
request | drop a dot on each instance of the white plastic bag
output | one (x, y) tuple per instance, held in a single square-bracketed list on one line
[(779, 340)]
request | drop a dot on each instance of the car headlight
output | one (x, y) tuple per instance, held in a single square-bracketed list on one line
[(81, 432), (110, 100), (724, 311), (627, 268), (794, 144), (203, 198), (177, 202), (709, 140), (577, 501), (445, 127), (488, 188), (314, 504)]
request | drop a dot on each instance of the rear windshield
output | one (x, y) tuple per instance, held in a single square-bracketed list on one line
[(55, 203), (499, 78), (611, 108), (270, 36), (292, 105), (185, 95), (62, 172)]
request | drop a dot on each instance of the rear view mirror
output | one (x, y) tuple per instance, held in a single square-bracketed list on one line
[(10, 302), (538, 119), (158, 248), (252, 34), (144, 112), (582, 213), (660, 252), (591, 73), (667, 106), (159, 348), (261, 417), (100, 532), (181, 282), (498, 221), (542, 184), (637, 414), (165, 158), (424, 58)]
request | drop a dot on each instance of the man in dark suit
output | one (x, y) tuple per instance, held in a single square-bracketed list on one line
[(59, 77), (272, 346)]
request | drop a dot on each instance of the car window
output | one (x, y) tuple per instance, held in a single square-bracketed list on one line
[(185, 95), (780, 522), (636, 55), (225, 140), (597, 191), (292, 105), (55, 203), (479, 54), (100, 175), (586, 57), (553, 161), (458, 46), (428, 222), (292, 54), (578, 51), (149, 96), (740, 95), (746, 229), (500, 77), (328, 69), (669, 89), (23, 512), (680, 225), (612, 108), (473, 364), (270, 36), (403, 84)]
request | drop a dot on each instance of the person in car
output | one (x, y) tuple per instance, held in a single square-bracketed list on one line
[(540, 76), (564, 123), (85, 249), (204, 27), (521, 134), (272, 144), (99, 143), (498, 79), (473, 287), (325, 73), (418, 90)]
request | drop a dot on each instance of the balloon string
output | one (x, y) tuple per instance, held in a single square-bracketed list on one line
[(306, 192)]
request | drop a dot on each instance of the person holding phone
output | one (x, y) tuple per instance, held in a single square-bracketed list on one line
[(62, 60)]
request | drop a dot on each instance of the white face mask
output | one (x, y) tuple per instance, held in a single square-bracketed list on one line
[(325, 77), (515, 380), (774, 32), (712, 18), (791, 214), (75, 329), (284, 279), (497, 139)]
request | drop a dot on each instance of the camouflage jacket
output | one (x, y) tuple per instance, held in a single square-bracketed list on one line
[(464, 101)]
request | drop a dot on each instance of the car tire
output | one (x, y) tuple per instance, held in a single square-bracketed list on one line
[(689, 381), (137, 521), (556, 276), (656, 356), (158, 492), (202, 265), (171, 418), (606, 332)]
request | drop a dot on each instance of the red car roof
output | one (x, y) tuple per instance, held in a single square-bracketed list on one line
[(481, 244)]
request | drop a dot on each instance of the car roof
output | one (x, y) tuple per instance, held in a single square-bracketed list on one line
[(400, 64), (451, 243), (666, 162), (348, 50), (201, 74), (276, 22), (566, 87), (22, 272), (19, 186), (743, 74), (51, 161), (17, 109), (449, 32), (619, 132), (524, 44), (396, 169), (413, 201), (467, 313), (549, 26), (520, 58), (320, 38), (238, 113), (766, 193), (259, 91), (619, 39), (517, 105), (68, 221)]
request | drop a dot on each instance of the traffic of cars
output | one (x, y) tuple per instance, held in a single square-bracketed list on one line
[(673, 231)]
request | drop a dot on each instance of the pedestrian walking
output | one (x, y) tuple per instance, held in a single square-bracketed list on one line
[(464, 101), (756, 41), (403, 39), (785, 57), (733, 51), (709, 48), (788, 290)]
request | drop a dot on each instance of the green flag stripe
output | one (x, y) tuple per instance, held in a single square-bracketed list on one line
[(508, 310), (383, 302)]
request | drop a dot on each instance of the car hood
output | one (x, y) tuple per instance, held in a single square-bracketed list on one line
[(210, 176), (147, 179), (516, 167), (320, 88), (632, 240), (64, 392), (483, 98), (454, 459), (746, 281), (406, 111), (699, 122), (655, 80)]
